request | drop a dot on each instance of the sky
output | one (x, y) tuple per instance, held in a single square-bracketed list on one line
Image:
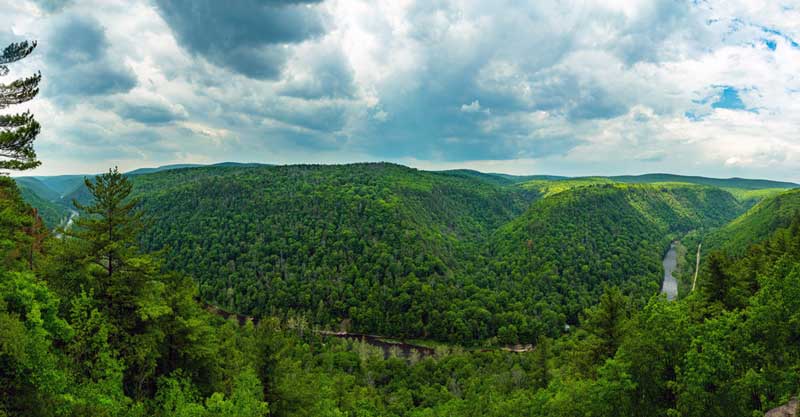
[(524, 87)]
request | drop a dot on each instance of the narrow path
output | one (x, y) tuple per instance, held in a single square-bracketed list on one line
[(670, 285), (697, 266)]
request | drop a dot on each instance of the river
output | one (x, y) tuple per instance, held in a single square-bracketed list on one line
[(670, 286)]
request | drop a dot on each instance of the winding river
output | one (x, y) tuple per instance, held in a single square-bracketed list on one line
[(670, 285)]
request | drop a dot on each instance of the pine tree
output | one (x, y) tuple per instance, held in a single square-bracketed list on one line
[(718, 282), (127, 283), (541, 356), (607, 320), (18, 131), (111, 224)]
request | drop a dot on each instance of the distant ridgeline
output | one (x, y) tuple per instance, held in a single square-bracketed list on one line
[(459, 256)]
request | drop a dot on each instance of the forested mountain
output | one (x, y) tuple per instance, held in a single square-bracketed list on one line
[(91, 326), (757, 223), (379, 244), (77, 338), (60, 184), (47, 195), (568, 246), (36, 186), (53, 195), (458, 256), (742, 183), (500, 179)]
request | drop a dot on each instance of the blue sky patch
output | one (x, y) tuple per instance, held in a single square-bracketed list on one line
[(782, 35), (729, 99), (693, 116)]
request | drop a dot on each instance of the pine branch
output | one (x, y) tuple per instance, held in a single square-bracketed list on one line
[(15, 120), (18, 131), (16, 51), (19, 91)]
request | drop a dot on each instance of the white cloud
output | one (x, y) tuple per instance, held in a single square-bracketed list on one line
[(473, 107), (583, 87)]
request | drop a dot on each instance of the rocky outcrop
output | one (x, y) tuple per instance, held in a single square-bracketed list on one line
[(787, 410)]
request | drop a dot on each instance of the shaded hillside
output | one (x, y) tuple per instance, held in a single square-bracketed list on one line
[(37, 187), (47, 201), (61, 184), (51, 213)]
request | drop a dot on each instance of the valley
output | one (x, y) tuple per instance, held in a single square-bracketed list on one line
[(460, 257), (440, 293), (431, 209)]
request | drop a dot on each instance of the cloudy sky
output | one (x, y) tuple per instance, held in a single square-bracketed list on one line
[(573, 88)]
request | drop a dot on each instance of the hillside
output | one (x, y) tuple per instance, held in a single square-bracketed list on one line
[(756, 224), (741, 183), (539, 268), (573, 243), (52, 213), (500, 179), (47, 201), (38, 187), (387, 249), (60, 184), (378, 244), (17, 226)]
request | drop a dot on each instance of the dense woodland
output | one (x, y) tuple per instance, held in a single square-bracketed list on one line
[(458, 256), (93, 325), (384, 249)]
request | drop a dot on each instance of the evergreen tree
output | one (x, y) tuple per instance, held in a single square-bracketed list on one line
[(717, 281), (541, 357), (128, 284), (111, 222), (607, 320), (18, 131)]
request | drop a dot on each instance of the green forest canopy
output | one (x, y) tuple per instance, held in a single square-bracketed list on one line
[(69, 349), (458, 256)]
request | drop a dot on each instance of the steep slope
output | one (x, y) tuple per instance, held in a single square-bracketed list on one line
[(569, 245), (386, 249), (21, 232), (52, 213), (37, 187), (61, 184), (377, 244), (756, 224), (46, 200)]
